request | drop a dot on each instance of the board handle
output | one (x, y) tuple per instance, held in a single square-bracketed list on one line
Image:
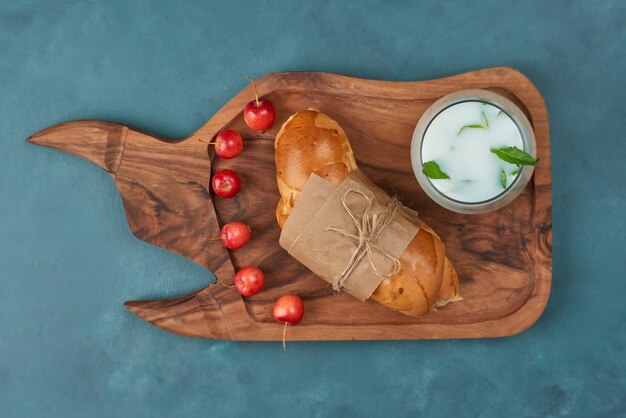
[(164, 186), (197, 314), (100, 142)]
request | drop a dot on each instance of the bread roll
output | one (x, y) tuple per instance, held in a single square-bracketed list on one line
[(311, 142)]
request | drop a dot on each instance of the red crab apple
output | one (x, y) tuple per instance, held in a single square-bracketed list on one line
[(235, 235), (289, 309), (249, 281), (259, 114), (226, 183), (228, 144)]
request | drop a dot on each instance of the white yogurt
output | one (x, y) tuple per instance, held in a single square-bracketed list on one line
[(475, 172)]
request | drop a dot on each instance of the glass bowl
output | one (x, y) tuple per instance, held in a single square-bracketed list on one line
[(517, 185)]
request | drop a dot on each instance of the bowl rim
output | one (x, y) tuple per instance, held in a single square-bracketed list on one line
[(512, 110)]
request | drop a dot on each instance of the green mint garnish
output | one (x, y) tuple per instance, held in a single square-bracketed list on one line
[(470, 127), (514, 155), (514, 172), (485, 124), (503, 178), (432, 170)]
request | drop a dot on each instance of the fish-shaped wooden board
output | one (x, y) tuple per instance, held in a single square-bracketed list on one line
[(504, 259)]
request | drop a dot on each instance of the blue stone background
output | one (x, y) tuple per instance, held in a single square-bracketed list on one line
[(68, 348)]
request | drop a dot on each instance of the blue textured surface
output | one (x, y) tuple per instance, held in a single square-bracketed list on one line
[(68, 348)]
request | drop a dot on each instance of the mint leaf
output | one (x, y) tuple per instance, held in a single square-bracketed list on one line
[(514, 155), (432, 170), (514, 172), (503, 178), (485, 124), (476, 126)]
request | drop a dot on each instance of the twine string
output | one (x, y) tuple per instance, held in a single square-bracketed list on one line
[(368, 226)]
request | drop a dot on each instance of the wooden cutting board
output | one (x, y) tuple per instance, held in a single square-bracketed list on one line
[(504, 259)]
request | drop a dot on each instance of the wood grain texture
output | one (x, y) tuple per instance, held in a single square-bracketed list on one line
[(504, 259)]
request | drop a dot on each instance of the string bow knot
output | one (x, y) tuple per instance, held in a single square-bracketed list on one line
[(368, 227)]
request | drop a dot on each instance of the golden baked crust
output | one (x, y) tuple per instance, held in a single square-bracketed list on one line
[(311, 142), (427, 278)]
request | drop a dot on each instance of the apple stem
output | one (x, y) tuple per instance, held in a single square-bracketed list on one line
[(230, 286), (214, 238), (210, 143), (284, 334), (256, 95)]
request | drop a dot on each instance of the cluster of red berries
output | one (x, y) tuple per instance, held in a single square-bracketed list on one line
[(259, 115)]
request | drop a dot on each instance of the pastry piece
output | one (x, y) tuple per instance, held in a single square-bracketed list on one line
[(311, 142)]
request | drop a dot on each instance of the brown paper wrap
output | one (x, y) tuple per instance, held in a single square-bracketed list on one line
[(351, 235)]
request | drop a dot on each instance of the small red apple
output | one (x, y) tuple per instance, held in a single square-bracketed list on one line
[(289, 309), (226, 183), (235, 235), (228, 144), (249, 281), (259, 114)]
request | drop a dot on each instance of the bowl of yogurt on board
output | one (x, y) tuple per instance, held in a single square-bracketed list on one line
[(473, 151)]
